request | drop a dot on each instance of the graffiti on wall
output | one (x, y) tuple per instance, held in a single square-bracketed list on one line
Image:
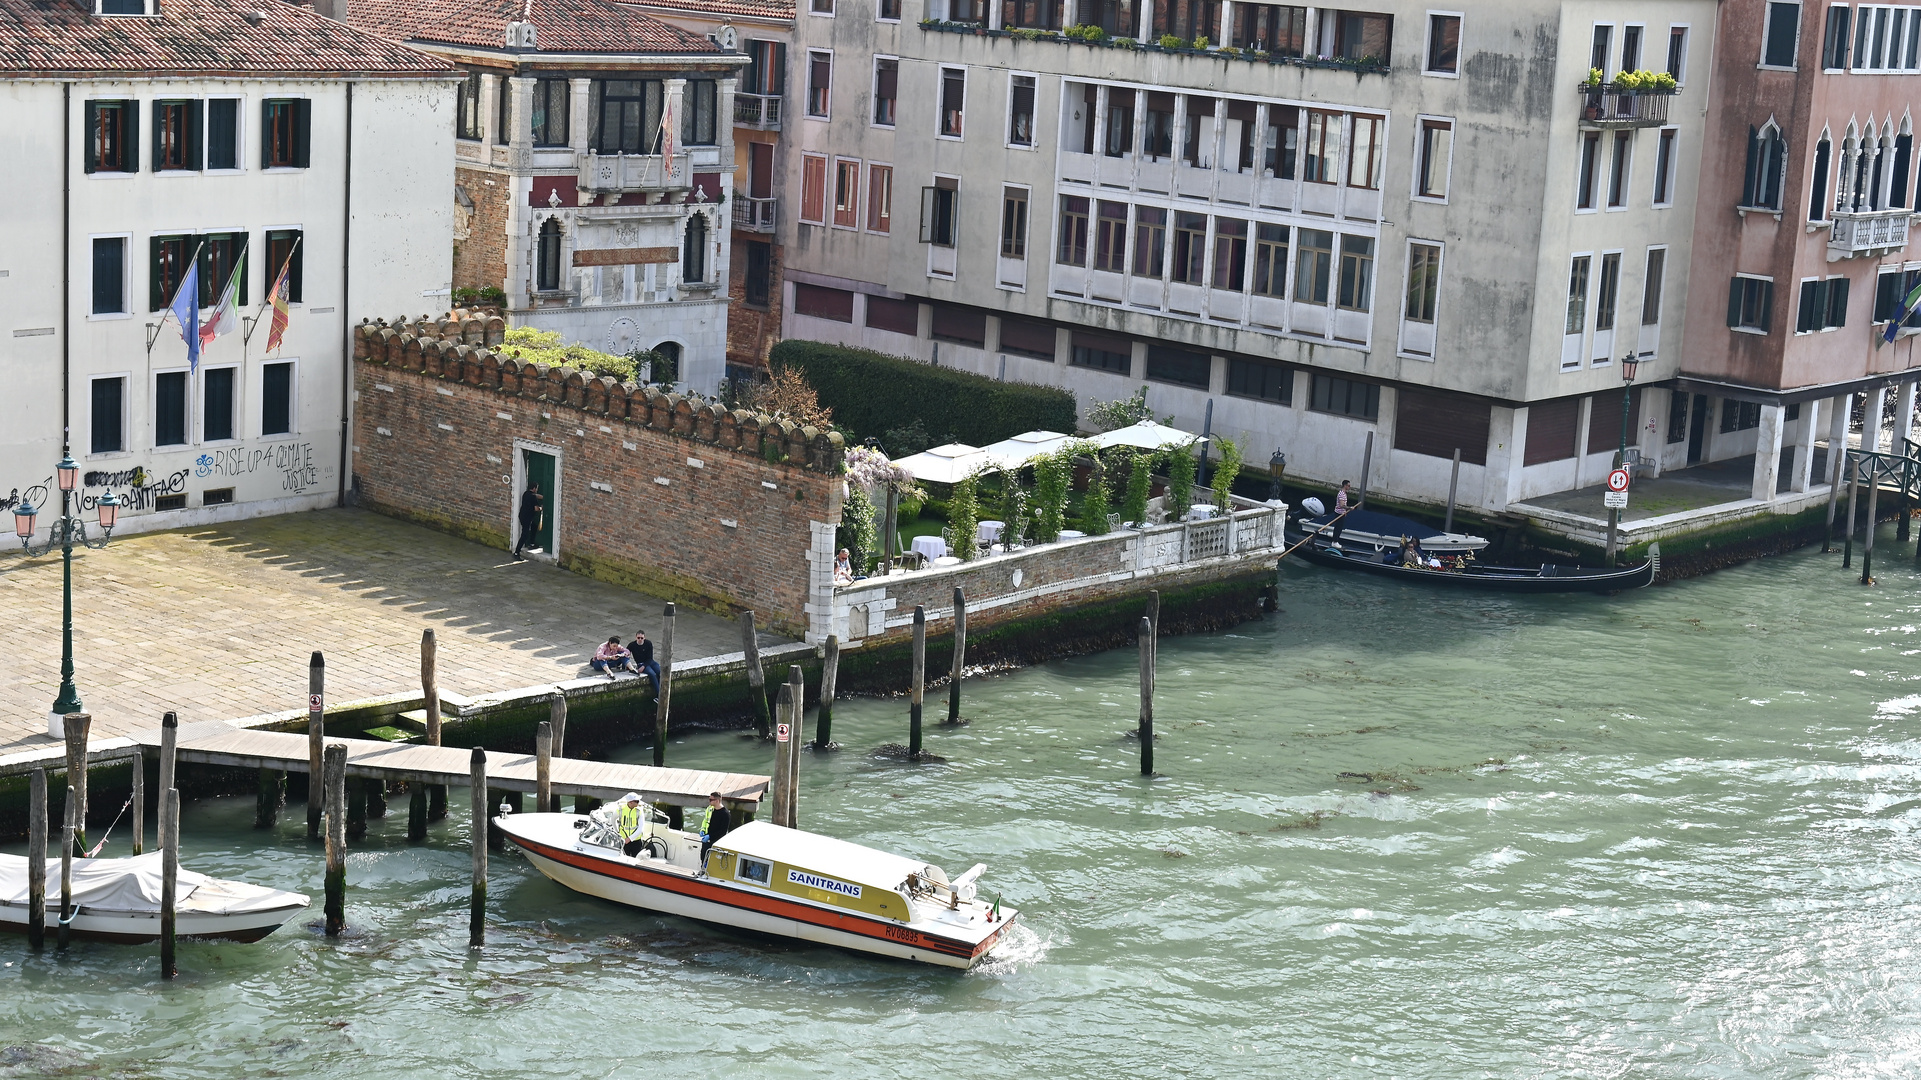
[(136, 488), (293, 462)]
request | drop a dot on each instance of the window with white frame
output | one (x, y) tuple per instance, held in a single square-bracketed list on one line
[(1619, 160), (107, 433), (820, 80), (886, 90), (1588, 178), (1574, 325), (1677, 59), (1607, 294), (1664, 165), (1652, 282), (219, 397), (1821, 183), (953, 101), (170, 408), (110, 275), (1422, 298), (1823, 305), (1631, 35), (277, 387), (1781, 35), (1834, 39), (1751, 303), (1433, 158), (1443, 44), (847, 193), (1767, 161), (1014, 222), (813, 189), (1020, 111)]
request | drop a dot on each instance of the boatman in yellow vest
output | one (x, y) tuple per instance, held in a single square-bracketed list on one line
[(714, 824), (630, 819)]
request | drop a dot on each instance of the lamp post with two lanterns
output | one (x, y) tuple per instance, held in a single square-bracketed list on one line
[(63, 532)]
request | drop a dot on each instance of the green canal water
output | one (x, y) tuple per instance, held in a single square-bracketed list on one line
[(1400, 833)]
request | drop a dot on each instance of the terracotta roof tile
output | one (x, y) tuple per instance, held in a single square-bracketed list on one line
[(719, 9), (212, 37), (589, 26)]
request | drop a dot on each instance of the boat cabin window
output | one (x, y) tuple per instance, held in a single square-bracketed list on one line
[(754, 870)]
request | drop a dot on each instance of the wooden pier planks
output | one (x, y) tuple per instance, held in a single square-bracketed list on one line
[(218, 743)]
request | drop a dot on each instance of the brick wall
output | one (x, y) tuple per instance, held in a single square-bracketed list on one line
[(751, 331), (480, 260), (659, 492)]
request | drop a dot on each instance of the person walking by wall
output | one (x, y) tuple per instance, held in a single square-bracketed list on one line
[(532, 505)]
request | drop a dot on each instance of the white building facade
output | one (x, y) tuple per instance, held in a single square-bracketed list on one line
[(1406, 222), (306, 144)]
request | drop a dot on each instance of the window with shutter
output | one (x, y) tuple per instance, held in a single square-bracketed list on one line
[(112, 138), (1551, 429), (216, 404), (284, 245), (813, 189), (170, 408), (223, 133), (1434, 423), (108, 434), (167, 265), (109, 275), (276, 398)]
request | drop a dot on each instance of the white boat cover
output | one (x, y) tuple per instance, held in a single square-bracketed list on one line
[(133, 885)]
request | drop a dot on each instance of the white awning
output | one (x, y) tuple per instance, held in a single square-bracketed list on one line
[(1025, 447), (1147, 435), (948, 464)]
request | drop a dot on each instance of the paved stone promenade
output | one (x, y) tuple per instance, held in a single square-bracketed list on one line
[(217, 622)]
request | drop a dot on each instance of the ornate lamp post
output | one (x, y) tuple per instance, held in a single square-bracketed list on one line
[(1276, 469), (1630, 363), (64, 532)]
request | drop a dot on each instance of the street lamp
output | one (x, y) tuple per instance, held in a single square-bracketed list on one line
[(1276, 468), (1630, 363), (64, 532)]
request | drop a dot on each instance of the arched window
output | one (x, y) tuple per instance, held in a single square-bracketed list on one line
[(693, 250), (547, 257), (1818, 194), (667, 366), (1767, 156), (1902, 178)]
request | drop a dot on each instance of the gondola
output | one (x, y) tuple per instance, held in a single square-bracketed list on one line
[(1375, 549)]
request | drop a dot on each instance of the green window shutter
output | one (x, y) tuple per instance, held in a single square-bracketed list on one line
[(159, 136), (89, 116), (294, 272), (240, 246), (130, 153), (196, 128), (1734, 302), (1767, 305), (266, 134), (1809, 317), (153, 273), (302, 126), (1837, 314)]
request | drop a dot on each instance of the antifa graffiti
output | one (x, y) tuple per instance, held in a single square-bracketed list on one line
[(138, 489), (293, 461)]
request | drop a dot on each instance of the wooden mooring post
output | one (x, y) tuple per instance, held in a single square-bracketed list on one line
[(270, 797), (356, 794), (829, 672), (77, 726), (1854, 493), (664, 690), (543, 766), (334, 781), (919, 677), (139, 803), (1867, 541), (557, 720), (756, 678), (960, 656), (477, 907), (783, 750), (37, 860), (1145, 632), (430, 702), (1453, 485), (376, 797), (316, 732), (169, 879), (796, 711), (169, 743), (66, 868)]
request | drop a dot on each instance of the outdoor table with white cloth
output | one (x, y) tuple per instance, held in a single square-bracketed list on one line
[(929, 547)]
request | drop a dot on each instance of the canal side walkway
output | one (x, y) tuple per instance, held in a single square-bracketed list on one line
[(217, 622)]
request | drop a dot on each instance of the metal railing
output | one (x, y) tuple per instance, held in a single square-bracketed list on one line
[(1607, 106), (1861, 231), (753, 215), (757, 111)]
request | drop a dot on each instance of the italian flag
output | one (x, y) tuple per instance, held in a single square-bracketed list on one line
[(226, 316)]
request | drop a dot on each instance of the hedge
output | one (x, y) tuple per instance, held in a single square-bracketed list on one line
[(872, 393)]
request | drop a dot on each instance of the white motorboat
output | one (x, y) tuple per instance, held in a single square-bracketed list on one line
[(773, 880), (119, 900)]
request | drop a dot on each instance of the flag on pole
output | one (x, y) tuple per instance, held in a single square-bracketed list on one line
[(277, 299), (186, 309), (226, 314), (1907, 308), (669, 128)]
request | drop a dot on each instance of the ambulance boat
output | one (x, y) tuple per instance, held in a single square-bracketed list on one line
[(773, 880)]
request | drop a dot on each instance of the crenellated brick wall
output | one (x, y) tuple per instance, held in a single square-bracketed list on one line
[(677, 496)]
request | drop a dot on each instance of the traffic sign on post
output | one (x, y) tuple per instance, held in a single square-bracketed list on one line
[(1615, 500), (1618, 481)]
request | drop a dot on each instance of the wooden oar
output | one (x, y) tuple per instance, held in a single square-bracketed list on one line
[(1318, 530)]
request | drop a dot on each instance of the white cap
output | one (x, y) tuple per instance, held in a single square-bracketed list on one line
[(630, 797)]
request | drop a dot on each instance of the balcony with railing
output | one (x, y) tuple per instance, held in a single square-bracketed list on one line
[(623, 173), (753, 215), (1610, 106), (1868, 232), (757, 111)]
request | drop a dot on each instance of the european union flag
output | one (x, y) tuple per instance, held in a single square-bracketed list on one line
[(186, 308)]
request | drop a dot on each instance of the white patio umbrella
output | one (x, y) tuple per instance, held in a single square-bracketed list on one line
[(949, 464), (1023, 448), (1147, 435)]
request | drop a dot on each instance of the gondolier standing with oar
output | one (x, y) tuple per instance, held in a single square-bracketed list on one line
[(1340, 510)]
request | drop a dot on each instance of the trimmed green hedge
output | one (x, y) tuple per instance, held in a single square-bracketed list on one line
[(872, 393)]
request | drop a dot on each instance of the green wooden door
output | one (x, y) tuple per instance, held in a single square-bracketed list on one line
[(539, 469)]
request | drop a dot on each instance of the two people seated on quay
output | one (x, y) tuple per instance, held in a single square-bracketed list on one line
[(638, 658), (715, 821)]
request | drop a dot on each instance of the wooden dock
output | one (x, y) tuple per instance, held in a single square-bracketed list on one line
[(218, 743)]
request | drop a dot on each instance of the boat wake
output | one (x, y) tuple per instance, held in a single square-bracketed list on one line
[(1020, 947)]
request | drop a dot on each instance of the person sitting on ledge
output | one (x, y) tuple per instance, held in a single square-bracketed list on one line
[(641, 652), (610, 657), (843, 568)]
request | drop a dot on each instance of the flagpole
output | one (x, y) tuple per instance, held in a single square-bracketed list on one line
[(278, 280)]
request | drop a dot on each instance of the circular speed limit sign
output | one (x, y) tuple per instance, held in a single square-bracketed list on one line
[(1618, 480)]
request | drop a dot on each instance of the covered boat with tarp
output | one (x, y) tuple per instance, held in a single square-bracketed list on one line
[(1390, 546), (119, 900)]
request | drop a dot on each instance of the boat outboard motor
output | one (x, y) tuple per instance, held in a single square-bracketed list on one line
[(1313, 506)]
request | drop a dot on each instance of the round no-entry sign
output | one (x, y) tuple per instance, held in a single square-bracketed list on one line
[(1618, 480)]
